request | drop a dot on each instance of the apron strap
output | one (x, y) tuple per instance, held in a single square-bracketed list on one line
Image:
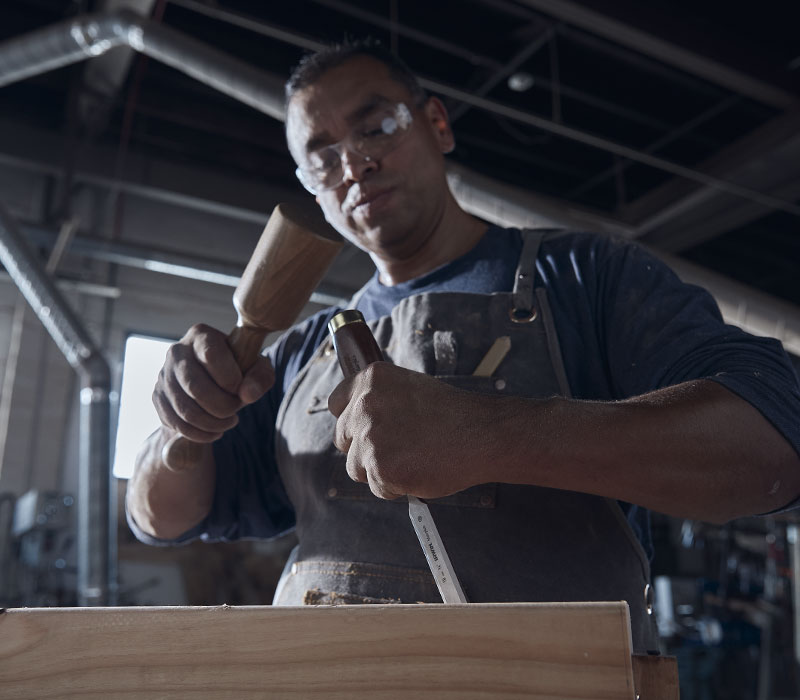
[(522, 293)]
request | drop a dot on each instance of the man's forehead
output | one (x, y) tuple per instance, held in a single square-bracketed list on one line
[(340, 97)]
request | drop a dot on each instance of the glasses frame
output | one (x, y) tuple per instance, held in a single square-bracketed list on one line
[(402, 115)]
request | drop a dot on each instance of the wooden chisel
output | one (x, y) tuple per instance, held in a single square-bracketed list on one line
[(356, 348)]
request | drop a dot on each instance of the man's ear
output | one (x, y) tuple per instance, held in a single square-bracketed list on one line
[(436, 113)]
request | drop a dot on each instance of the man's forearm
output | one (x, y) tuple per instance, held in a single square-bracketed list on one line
[(165, 503), (694, 450)]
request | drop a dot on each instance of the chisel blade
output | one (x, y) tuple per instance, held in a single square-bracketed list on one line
[(435, 553)]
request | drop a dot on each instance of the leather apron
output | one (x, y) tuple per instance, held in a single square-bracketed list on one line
[(506, 542)]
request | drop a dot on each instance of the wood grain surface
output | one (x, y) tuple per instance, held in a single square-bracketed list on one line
[(514, 650)]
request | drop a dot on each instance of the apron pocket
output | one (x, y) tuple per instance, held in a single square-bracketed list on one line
[(342, 487), (315, 596), (322, 582)]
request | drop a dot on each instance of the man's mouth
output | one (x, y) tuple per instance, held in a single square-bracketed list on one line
[(369, 200)]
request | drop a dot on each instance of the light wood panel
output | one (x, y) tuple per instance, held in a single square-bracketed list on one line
[(656, 677), (515, 650)]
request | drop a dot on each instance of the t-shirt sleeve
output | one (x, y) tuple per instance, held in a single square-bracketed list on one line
[(658, 331)]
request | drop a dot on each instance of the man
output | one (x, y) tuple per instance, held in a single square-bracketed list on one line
[(621, 386)]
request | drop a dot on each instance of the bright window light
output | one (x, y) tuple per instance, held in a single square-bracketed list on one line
[(144, 357)]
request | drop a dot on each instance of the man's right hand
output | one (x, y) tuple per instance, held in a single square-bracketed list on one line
[(200, 387)]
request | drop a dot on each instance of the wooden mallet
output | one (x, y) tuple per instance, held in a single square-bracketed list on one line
[(291, 257)]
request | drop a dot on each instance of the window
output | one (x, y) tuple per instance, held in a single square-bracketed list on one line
[(144, 357)]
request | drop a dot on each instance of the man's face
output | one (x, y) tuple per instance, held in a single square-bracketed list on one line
[(389, 205)]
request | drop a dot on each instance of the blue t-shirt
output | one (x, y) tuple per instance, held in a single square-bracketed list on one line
[(626, 326)]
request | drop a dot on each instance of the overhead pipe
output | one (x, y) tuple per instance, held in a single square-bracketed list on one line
[(88, 36), (169, 262), (96, 544)]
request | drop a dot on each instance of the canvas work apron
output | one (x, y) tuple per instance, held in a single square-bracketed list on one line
[(506, 542)]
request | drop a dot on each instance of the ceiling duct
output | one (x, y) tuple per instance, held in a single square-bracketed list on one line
[(88, 36), (95, 543)]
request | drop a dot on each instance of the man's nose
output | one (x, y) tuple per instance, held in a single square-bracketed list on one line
[(355, 166)]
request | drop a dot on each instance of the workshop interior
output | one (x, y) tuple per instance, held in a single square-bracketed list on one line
[(142, 150)]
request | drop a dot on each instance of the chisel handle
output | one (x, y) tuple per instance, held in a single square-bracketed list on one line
[(353, 341)]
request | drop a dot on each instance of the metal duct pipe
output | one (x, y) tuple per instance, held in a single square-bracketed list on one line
[(88, 36), (507, 205), (95, 543)]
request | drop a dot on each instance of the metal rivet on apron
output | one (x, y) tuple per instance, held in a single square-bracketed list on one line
[(486, 500), (500, 384), (648, 599), (294, 569), (522, 315), (332, 493)]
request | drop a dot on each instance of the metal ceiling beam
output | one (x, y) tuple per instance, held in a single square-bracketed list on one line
[(706, 217), (404, 30), (508, 205), (88, 36), (91, 35), (103, 78), (199, 188), (258, 26), (512, 65), (169, 262), (147, 191), (668, 138), (269, 30), (611, 147), (649, 44), (676, 215)]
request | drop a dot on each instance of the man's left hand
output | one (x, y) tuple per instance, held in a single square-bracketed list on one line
[(406, 433)]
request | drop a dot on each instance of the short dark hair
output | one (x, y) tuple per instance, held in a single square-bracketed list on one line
[(312, 66)]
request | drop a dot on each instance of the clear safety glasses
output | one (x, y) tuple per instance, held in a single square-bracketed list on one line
[(380, 132)]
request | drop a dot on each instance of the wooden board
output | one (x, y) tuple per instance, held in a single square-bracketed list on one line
[(656, 677), (514, 650)]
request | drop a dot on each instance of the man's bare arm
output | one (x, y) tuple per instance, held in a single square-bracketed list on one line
[(164, 503), (692, 450), (198, 393)]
